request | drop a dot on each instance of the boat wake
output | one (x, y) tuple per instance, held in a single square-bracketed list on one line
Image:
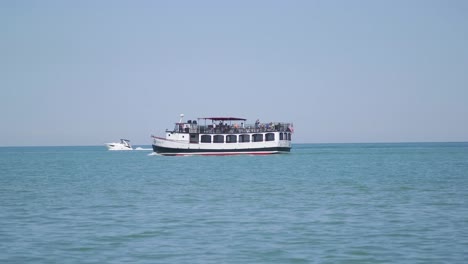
[(139, 148)]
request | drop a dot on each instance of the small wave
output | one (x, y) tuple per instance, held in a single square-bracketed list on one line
[(139, 148)]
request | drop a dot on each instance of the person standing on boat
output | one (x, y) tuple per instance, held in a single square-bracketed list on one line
[(220, 126), (236, 128)]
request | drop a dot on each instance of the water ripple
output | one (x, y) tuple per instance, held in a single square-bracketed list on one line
[(322, 203)]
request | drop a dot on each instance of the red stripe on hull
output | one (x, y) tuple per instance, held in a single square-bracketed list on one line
[(220, 154)]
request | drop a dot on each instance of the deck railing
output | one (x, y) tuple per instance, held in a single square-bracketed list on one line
[(233, 128)]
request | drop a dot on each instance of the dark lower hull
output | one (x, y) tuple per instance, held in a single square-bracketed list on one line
[(219, 152)]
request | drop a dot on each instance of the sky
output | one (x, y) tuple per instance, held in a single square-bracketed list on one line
[(91, 72)]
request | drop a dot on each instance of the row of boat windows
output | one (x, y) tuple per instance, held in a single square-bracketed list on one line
[(243, 138)]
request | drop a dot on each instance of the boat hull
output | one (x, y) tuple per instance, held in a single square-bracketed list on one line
[(219, 152), (117, 147), (123, 145)]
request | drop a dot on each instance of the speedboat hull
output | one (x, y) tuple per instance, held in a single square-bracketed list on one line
[(124, 144)]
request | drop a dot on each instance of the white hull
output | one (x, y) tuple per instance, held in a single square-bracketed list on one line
[(118, 147), (122, 145), (166, 146)]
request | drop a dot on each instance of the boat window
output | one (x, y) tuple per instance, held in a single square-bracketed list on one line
[(206, 139), (257, 137), (289, 136), (244, 138), (193, 138), (281, 136), (231, 139), (218, 139), (269, 137)]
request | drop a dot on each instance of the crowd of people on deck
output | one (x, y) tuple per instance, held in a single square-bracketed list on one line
[(221, 127), (242, 128)]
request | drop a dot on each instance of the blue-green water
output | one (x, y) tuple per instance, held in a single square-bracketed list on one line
[(330, 203)]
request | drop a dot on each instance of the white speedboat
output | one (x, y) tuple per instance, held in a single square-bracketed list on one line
[(124, 144), (231, 136)]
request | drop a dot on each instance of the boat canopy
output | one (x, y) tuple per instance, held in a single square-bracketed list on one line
[(223, 118)]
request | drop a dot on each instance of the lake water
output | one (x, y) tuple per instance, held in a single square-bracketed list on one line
[(322, 203)]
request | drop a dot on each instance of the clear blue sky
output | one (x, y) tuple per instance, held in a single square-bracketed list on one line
[(90, 72)]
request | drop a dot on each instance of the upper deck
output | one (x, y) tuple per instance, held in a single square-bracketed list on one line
[(228, 125)]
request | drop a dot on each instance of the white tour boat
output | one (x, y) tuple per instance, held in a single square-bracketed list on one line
[(224, 136), (124, 144)]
